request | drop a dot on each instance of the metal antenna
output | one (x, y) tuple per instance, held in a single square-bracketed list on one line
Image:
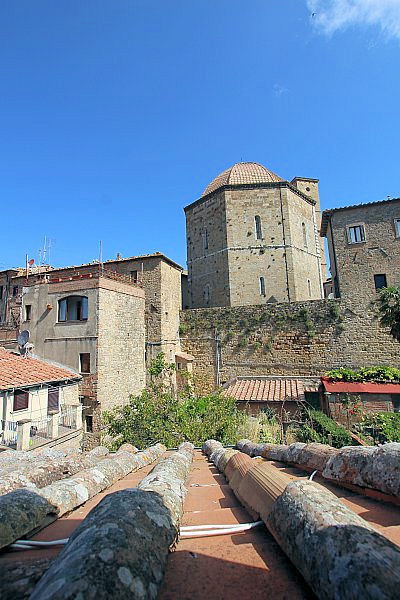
[(101, 258)]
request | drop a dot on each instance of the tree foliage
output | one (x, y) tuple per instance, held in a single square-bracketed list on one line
[(158, 415), (389, 310)]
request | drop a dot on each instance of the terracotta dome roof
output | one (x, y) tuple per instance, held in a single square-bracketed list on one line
[(242, 173)]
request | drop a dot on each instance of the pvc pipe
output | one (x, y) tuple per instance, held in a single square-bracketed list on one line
[(214, 532), (238, 525)]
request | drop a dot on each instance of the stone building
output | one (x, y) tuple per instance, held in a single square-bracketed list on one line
[(158, 275), (126, 312), (82, 322), (364, 248), (253, 238)]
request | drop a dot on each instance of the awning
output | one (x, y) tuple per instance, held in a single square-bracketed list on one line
[(348, 387)]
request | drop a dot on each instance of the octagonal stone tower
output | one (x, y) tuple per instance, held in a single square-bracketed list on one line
[(253, 238)]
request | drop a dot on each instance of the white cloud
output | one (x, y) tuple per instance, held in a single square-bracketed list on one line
[(279, 90), (333, 15)]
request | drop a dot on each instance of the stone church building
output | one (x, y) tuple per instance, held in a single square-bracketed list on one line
[(253, 238)]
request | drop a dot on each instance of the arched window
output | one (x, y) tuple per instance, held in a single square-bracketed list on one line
[(205, 239), (309, 287), (257, 223), (262, 286), (305, 240), (73, 308), (207, 293)]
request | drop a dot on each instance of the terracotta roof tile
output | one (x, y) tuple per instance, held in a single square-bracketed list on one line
[(18, 371), (242, 173), (266, 390)]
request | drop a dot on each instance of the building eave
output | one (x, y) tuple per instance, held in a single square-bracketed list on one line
[(326, 215), (251, 186)]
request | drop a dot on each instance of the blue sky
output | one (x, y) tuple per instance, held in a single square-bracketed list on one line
[(116, 114)]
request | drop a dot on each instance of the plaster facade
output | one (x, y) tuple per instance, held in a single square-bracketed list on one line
[(112, 335)]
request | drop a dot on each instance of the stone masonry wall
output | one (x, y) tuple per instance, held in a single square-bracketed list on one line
[(207, 266), (235, 259), (303, 338), (120, 346), (378, 254), (171, 299)]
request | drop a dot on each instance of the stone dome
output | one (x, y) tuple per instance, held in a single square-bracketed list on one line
[(242, 173)]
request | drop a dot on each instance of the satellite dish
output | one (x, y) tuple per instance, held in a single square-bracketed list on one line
[(23, 337), (31, 262)]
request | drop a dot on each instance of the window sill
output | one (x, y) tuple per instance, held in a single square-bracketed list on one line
[(356, 243), (71, 322)]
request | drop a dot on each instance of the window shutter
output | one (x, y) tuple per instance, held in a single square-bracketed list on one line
[(53, 400), (21, 400)]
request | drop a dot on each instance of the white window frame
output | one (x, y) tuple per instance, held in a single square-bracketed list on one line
[(397, 227), (351, 226)]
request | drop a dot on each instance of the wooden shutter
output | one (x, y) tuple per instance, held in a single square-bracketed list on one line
[(21, 400), (53, 400)]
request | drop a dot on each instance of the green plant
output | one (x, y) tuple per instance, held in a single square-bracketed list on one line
[(159, 366), (321, 428), (256, 345), (365, 374), (388, 304), (382, 427), (243, 341), (183, 328)]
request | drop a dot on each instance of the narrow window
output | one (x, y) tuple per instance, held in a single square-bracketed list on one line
[(21, 400), (309, 288), (262, 286), (380, 281), (305, 240), (84, 362), (257, 223), (28, 312), (134, 276), (205, 239), (89, 424), (397, 227), (53, 400), (207, 293), (356, 234), (15, 290), (1, 292)]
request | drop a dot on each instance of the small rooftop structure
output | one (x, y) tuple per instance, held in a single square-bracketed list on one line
[(20, 371), (269, 389)]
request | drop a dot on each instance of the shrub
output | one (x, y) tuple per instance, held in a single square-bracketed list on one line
[(321, 428), (157, 416), (365, 374), (382, 427)]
